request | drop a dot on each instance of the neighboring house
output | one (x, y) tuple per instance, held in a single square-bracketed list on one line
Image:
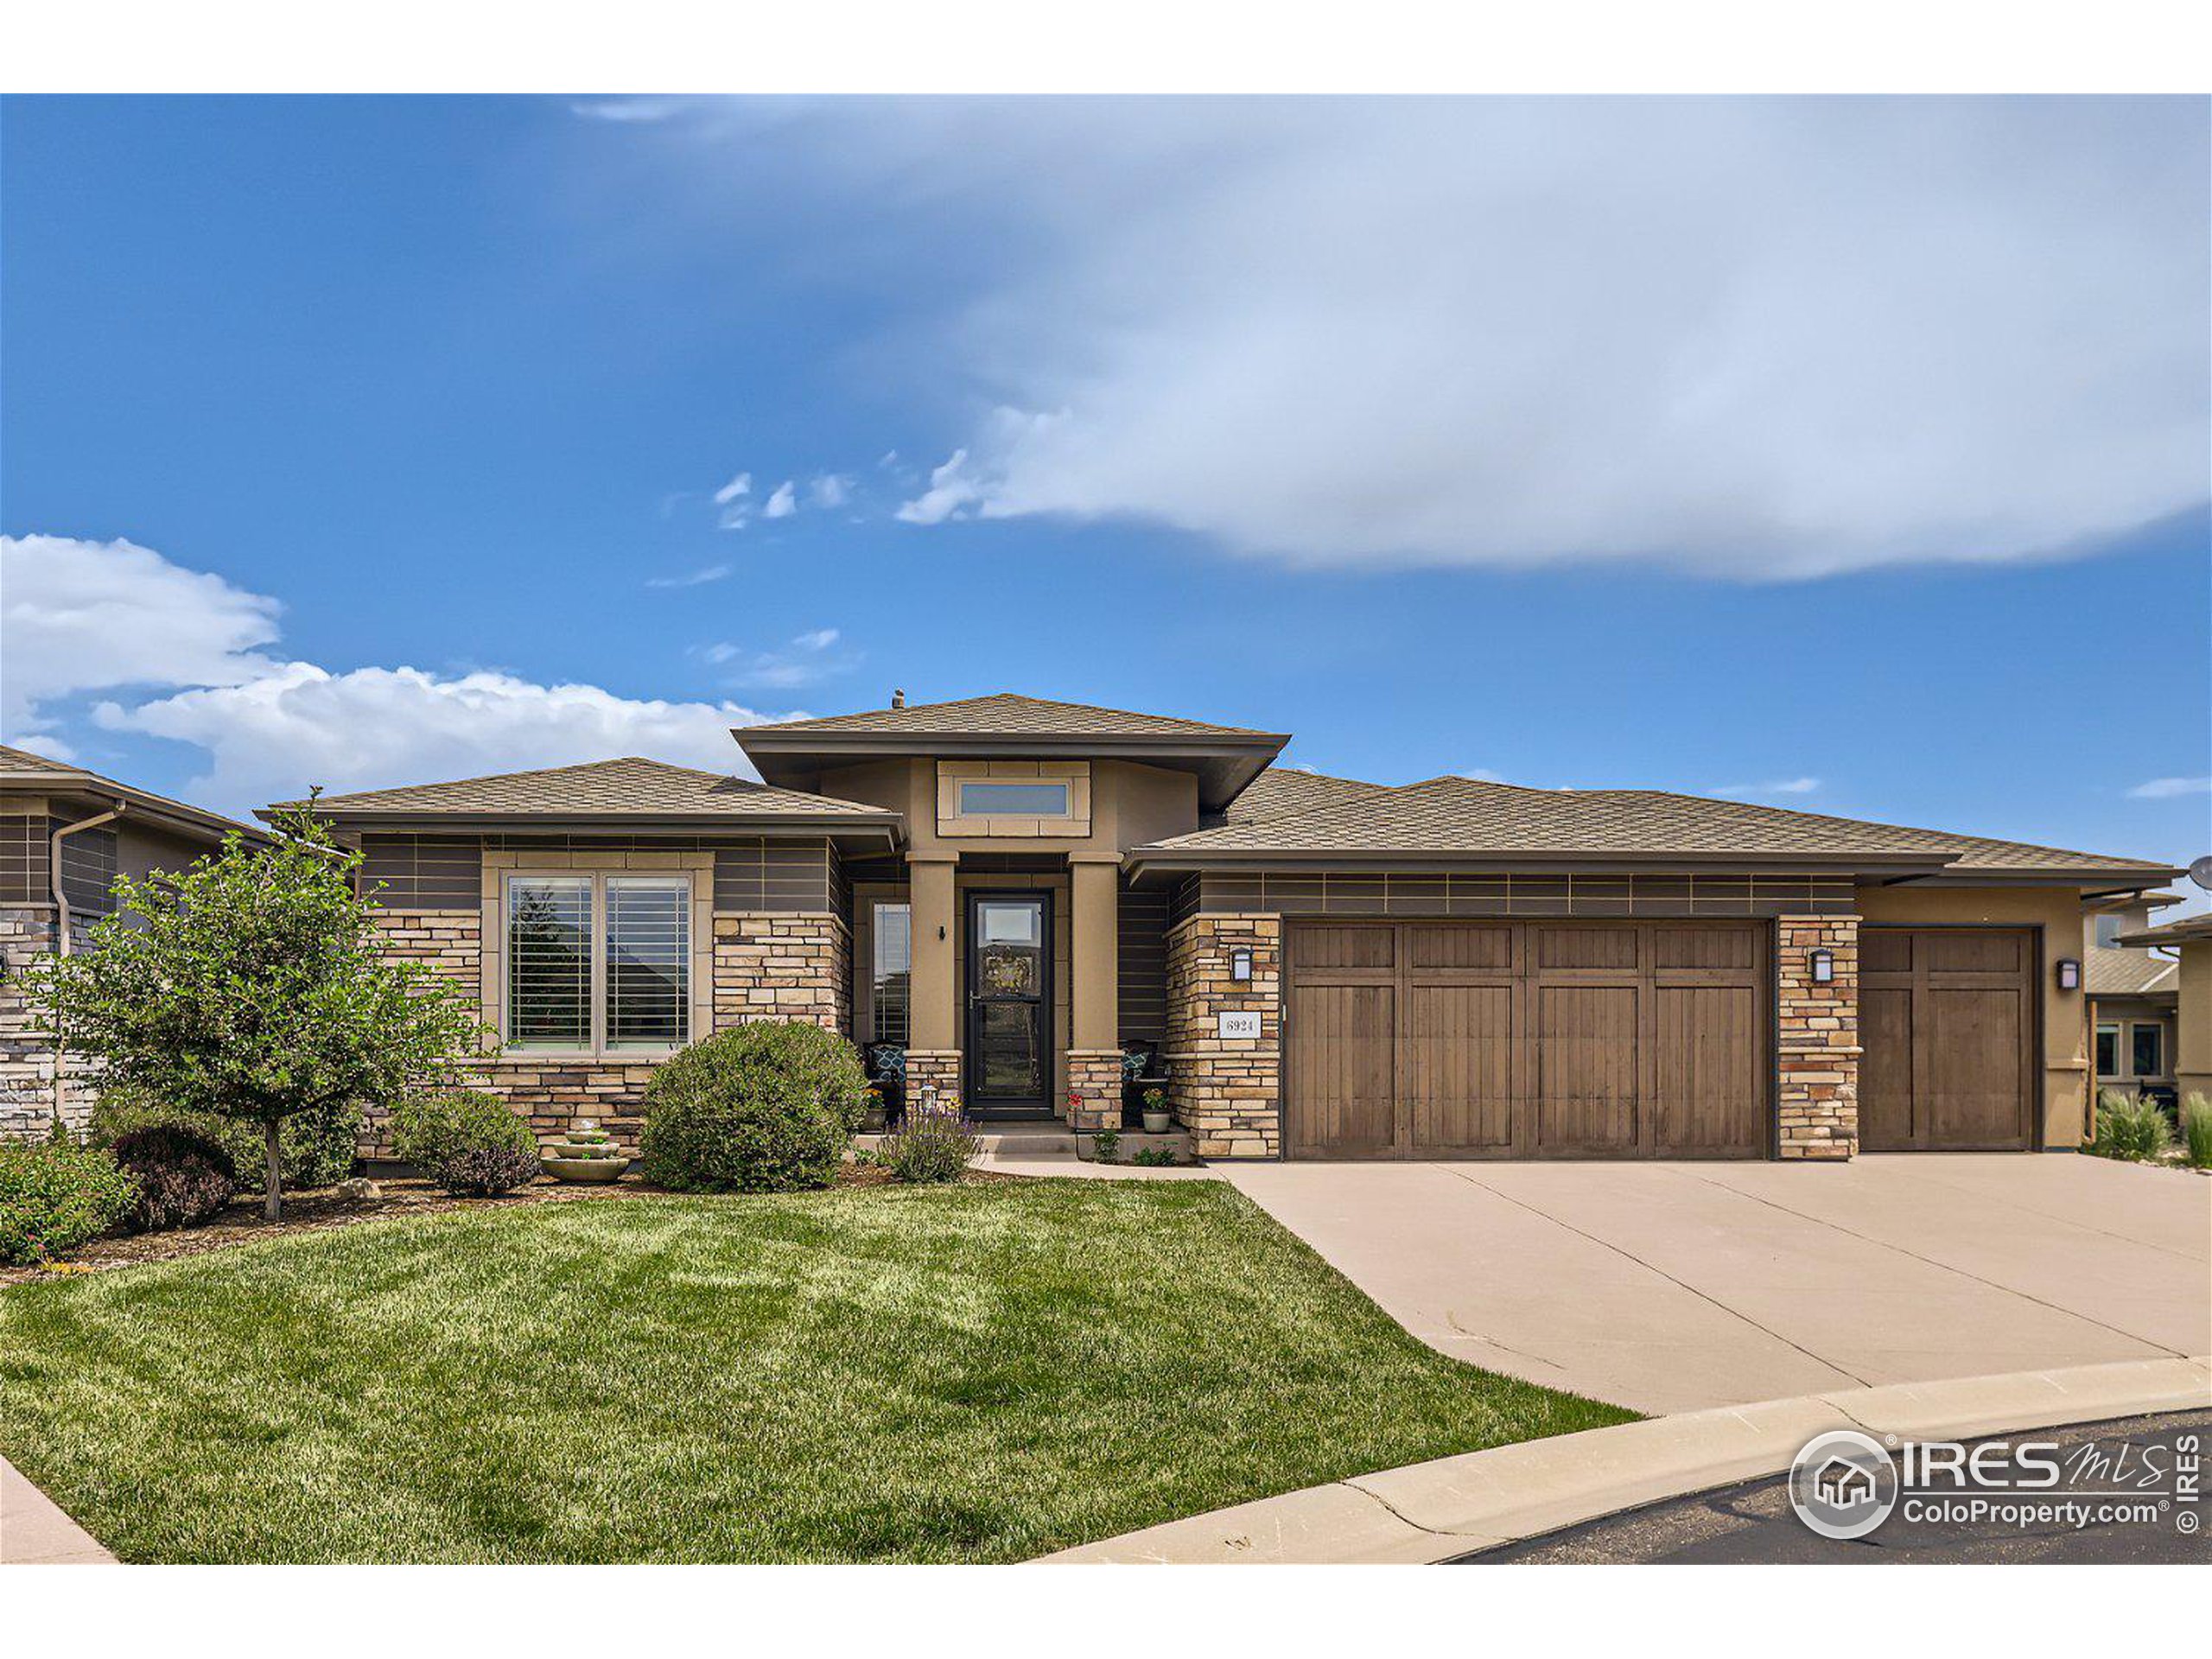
[(1011, 892), (2132, 993), (2191, 940), (66, 833)]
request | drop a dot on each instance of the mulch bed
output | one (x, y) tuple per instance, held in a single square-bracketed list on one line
[(323, 1208)]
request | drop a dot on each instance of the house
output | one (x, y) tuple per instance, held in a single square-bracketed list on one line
[(2191, 940), (2134, 993), (1011, 893), (66, 833), (1843, 1484)]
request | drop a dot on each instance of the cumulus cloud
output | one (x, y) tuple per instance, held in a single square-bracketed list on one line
[(783, 503), (2165, 789), (81, 616), (182, 652), (1761, 338)]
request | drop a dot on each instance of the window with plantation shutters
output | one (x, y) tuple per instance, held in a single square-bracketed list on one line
[(648, 961), (548, 962), (597, 962)]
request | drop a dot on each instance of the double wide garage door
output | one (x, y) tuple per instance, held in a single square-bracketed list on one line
[(1528, 1039)]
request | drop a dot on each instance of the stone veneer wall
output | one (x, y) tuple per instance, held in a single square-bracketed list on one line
[(26, 1053), (932, 1068), (1228, 1094), (1094, 1089), (1816, 1038), (779, 966)]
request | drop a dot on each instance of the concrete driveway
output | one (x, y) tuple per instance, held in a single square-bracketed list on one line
[(1675, 1286)]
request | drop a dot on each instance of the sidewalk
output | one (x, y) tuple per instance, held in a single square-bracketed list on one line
[(33, 1532)]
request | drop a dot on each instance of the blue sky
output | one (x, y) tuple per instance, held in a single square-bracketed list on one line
[(1861, 467)]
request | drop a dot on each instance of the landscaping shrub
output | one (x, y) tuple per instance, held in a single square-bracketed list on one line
[(54, 1196), (762, 1108), (466, 1141), (315, 1148), (184, 1178), (2197, 1131), (933, 1143), (2130, 1128)]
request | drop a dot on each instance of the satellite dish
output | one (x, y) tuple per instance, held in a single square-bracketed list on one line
[(2200, 872)]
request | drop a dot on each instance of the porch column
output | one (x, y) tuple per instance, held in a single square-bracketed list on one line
[(1095, 1015), (933, 1050)]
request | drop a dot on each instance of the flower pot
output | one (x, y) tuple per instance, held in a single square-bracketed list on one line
[(1158, 1122)]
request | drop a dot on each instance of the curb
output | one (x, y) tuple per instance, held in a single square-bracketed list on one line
[(1429, 1512)]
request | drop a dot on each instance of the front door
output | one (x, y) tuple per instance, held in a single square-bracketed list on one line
[(1009, 1048)]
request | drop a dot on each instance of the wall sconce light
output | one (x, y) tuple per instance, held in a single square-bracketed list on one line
[(1823, 967), (2069, 974), (1240, 965)]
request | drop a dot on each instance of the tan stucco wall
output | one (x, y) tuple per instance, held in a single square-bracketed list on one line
[(2058, 913), (2193, 1045)]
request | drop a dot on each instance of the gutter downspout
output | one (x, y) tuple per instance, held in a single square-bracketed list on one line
[(61, 933)]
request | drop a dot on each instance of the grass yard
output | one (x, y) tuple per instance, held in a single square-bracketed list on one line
[(970, 1373)]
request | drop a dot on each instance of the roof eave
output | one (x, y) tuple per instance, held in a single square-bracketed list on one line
[(140, 806), (872, 826), (1140, 859)]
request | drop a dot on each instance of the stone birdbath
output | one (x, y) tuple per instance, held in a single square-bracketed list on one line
[(586, 1153)]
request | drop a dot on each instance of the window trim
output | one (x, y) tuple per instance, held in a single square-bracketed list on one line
[(1065, 809), (2158, 1030), (598, 1049), (876, 909), (2104, 1027)]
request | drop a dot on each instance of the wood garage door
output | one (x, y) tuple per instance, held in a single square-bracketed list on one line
[(1526, 1040), (1946, 1019)]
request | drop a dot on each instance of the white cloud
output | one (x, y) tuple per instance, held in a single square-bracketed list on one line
[(804, 662), (629, 111), (1761, 338), (829, 489), (2162, 789), (78, 616), (783, 503), (954, 491), (817, 639), (1775, 786), (298, 725), (741, 485), (693, 578)]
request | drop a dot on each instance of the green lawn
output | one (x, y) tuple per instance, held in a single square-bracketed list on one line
[(974, 1373)]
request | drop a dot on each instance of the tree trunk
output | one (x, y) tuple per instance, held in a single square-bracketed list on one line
[(272, 1205)]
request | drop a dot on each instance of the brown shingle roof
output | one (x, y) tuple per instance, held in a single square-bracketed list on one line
[(1005, 714), (630, 787), (1465, 816), (2128, 973), (23, 768), (2182, 931), (1286, 791)]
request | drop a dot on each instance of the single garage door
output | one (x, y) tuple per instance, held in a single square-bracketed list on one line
[(1946, 1019), (1526, 1040)]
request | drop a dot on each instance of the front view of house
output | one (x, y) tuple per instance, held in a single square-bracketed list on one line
[(1029, 901)]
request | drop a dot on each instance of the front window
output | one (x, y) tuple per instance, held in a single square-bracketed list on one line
[(1025, 800), (2108, 1051), (2147, 1048), (891, 974), (597, 962)]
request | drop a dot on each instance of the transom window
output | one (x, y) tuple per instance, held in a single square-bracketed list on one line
[(1022, 800), (597, 962)]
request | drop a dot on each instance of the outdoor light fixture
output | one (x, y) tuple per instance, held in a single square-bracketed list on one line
[(1240, 965), (2069, 974), (1823, 967)]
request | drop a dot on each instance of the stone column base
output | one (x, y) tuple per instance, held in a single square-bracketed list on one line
[(1094, 1089), (1817, 1038), (933, 1068)]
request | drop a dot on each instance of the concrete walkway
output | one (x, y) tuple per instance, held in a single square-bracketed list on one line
[(1673, 1287), (33, 1531)]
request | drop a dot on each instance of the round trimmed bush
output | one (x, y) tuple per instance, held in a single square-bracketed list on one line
[(55, 1196), (467, 1142), (763, 1108), (184, 1178)]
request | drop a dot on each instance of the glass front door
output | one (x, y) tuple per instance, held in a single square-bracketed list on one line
[(1009, 1004)]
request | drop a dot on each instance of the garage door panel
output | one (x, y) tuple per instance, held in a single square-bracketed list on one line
[(1458, 1079), (1707, 1093), (1341, 1043), (1974, 1072), (1613, 948), (1324, 950), (1973, 951), (1884, 950), (1885, 1068), (1705, 947), (1587, 1065), (1442, 946)]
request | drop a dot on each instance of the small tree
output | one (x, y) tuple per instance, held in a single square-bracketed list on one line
[(251, 985)]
